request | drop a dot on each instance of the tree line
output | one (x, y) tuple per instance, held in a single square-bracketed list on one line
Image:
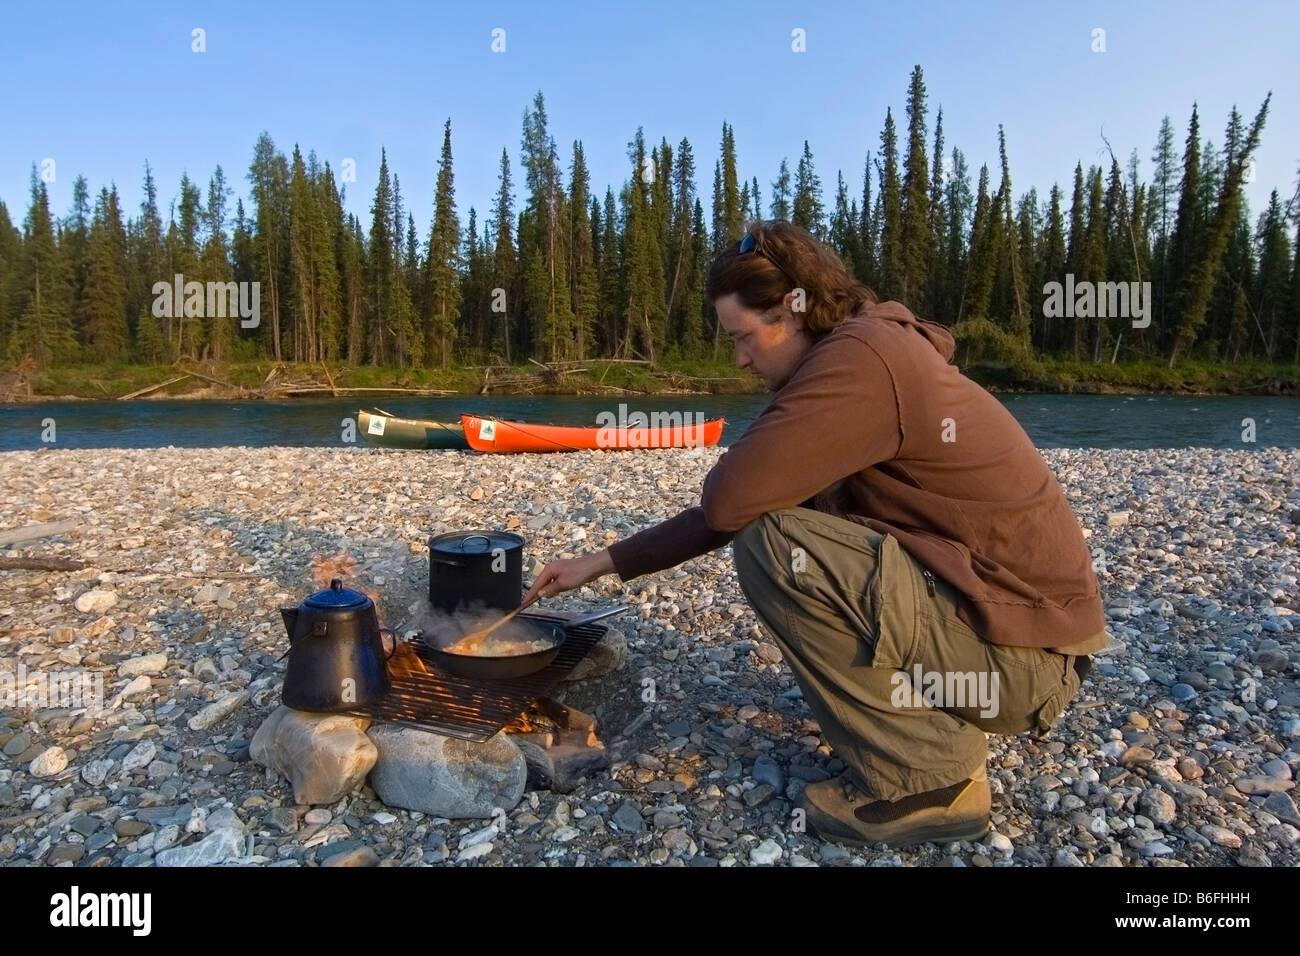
[(571, 274)]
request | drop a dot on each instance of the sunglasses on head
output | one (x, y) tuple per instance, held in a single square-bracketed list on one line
[(750, 244)]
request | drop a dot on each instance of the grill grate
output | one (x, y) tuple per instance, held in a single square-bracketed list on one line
[(471, 709)]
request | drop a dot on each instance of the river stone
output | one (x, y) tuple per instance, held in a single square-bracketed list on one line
[(628, 818), (217, 847), (96, 602), (216, 712), (350, 855), (766, 770), (1253, 785), (766, 853), (139, 757), (148, 664), (444, 776), (1158, 806), (1282, 806), (324, 756), (50, 763)]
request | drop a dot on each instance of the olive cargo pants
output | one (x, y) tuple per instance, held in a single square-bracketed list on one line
[(903, 689)]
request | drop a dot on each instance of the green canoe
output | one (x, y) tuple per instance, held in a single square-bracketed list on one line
[(390, 432)]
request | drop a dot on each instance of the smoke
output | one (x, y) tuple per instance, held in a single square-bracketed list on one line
[(441, 629)]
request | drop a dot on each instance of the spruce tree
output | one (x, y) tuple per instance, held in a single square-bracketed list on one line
[(890, 273), (218, 331), (1163, 185), (1201, 284), (74, 247), (939, 267), (781, 187), (584, 285), (1054, 264), (503, 260), (958, 202), (916, 236), (867, 230), (443, 266), (268, 176), (42, 293), (104, 303), (809, 211), (646, 310), (733, 216)]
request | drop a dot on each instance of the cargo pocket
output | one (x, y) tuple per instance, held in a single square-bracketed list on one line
[(1054, 706), (893, 597), (1050, 712)]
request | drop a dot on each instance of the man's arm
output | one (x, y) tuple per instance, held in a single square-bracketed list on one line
[(836, 416)]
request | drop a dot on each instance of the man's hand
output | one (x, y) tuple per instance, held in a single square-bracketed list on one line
[(565, 575)]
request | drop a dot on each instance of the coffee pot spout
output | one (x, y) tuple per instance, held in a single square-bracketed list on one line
[(290, 615)]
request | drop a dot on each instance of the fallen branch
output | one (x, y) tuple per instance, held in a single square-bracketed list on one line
[(40, 564), (153, 388), (330, 378)]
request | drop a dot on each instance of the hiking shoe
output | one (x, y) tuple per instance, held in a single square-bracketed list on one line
[(841, 812)]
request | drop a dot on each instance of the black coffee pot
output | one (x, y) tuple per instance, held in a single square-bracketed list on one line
[(336, 652)]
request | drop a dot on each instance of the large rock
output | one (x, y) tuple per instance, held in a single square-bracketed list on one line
[(325, 756), (606, 655), (444, 776)]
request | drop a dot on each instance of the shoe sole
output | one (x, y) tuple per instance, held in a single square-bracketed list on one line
[(949, 833)]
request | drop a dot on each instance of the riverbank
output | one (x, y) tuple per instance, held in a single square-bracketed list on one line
[(1182, 747), (249, 380), (259, 380)]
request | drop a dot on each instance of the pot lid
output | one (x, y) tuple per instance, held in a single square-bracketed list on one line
[(475, 542), (337, 596)]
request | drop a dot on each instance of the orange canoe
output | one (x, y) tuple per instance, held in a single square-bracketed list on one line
[(663, 431)]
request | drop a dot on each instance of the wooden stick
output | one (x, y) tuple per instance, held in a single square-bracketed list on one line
[(33, 531), (469, 642)]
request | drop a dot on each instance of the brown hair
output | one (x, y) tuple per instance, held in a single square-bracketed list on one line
[(785, 257)]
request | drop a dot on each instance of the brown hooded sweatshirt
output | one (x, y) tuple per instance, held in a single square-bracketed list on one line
[(876, 426)]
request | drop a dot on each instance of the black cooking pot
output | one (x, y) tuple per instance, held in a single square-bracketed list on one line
[(476, 567), (336, 652)]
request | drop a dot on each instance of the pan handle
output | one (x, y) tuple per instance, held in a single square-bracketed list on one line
[(595, 616)]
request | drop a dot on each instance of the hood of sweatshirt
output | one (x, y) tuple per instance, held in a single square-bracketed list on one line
[(937, 334)]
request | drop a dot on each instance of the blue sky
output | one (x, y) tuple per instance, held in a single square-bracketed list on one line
[(102, 88)]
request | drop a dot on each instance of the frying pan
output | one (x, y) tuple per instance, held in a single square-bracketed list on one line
[(517, 665)]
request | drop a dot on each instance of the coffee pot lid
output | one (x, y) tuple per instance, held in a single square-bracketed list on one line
[(337, 596)]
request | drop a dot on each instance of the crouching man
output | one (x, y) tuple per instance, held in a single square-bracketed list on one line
[(898, 535)]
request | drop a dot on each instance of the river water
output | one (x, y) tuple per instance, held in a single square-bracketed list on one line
[(1052, 421)]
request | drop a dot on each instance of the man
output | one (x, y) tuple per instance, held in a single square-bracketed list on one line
[(898, 535)]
